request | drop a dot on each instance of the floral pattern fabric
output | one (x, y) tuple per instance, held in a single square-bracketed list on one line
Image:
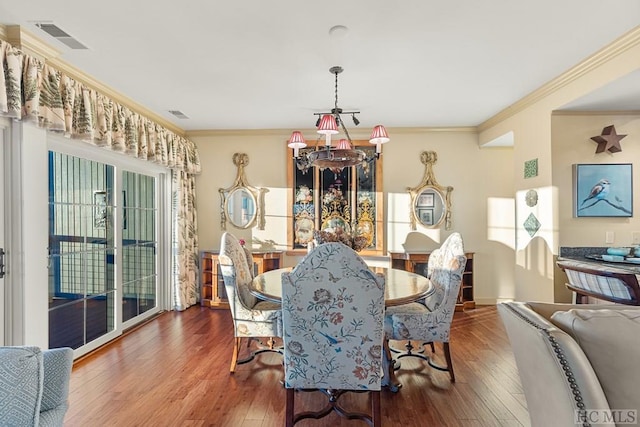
[(251, 317), (431, 319), (332, 314)]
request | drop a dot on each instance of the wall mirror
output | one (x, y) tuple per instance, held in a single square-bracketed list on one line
[(241, 204), (430, 201)]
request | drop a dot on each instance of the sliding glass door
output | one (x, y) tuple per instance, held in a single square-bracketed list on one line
[(103, 246), (139, 245)]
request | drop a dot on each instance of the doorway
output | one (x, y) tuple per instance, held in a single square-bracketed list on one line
[(104, 240)]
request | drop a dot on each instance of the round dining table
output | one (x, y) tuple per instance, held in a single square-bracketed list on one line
[(401, 287)]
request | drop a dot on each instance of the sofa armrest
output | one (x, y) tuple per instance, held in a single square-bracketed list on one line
[(556, 376), (20, 384), (57, 374)]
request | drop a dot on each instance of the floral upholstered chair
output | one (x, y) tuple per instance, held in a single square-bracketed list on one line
[(429, 321), (332, 316), (252, 317)]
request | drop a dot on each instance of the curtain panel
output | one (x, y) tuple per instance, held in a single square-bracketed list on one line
[(31, 90)]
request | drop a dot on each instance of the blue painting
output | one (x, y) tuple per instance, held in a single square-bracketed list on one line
[(603, 190)]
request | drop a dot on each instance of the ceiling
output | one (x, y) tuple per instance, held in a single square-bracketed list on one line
[(265, 65)]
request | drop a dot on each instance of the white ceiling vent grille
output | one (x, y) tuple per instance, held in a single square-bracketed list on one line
[(179, 114), (57, 33)]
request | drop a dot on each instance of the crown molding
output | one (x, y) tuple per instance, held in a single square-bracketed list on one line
[(618, 46), (30, 44), (285, 133), (596, 113)]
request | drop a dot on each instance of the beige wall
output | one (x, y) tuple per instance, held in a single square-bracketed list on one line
[(530, 122), (489, 207), (482, 197), (571, 136), (571, 145)]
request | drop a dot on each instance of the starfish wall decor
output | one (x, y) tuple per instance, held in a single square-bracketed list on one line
[(608, 140)]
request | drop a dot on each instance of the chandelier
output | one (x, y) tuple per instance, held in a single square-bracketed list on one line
[(343, 154)]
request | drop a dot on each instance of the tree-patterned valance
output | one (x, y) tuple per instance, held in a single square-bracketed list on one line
[(32, 90)]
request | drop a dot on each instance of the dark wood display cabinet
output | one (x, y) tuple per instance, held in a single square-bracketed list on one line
[(417, 262), (212, 292)]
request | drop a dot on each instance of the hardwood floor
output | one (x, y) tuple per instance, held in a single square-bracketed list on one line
[(174, 371)]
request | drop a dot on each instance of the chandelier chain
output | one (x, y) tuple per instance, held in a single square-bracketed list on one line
[(336, 110)]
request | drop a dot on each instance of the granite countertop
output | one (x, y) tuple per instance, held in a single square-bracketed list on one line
[(580, 254)]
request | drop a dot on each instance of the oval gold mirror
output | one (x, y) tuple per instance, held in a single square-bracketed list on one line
[(241, 204), (430, 202), (429, 208), (241, 208)]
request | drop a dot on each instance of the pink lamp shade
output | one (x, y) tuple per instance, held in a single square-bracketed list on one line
[(379, 136), (328, 125), (296, 142), (344, 144)]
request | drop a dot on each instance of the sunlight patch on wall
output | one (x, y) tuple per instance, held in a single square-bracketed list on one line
[(275, 221), (397, 220), (400, 237), (501, 220)]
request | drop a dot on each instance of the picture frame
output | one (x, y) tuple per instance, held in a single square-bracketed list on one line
[(425, 199), (99, 209), (603, 190), (425, 216)]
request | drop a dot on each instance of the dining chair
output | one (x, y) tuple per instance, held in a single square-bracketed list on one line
[(332, 318), (429, 320), (252, 317)]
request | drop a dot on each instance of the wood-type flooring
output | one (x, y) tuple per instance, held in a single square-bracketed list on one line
[(174, 371)]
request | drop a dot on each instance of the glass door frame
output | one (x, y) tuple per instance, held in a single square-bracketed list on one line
[(120, 163)]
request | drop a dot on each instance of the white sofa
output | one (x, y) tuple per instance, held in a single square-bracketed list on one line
[(577, 363)]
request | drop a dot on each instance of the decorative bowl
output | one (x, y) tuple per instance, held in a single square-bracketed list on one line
[(619, 251)]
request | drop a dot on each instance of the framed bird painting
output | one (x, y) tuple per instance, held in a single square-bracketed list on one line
[(603, 190)]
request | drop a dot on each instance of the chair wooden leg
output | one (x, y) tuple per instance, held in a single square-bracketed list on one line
[(289, 406), (234, 356), (376, 416), (447, 355)]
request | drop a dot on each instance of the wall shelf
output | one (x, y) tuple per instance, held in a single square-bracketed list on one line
[(212, 291)]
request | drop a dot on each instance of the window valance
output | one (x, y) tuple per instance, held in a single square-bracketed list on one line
[(32, 90)]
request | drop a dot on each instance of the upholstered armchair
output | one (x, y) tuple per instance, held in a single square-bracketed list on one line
[(332, 315), (252, 318), (429, 321), (34, 385)]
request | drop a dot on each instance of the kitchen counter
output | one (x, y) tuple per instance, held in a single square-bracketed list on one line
[(579, 254), (606, 280)]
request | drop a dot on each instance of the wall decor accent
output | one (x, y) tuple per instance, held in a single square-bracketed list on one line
[(532, 225), (430, 201), (426, 215), (603, 190), (241, 204), (608, 140), (347, 200), (531, 198), (531, 168)]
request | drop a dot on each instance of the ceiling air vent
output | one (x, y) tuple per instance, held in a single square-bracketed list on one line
[(179, 114), (57, 33)]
